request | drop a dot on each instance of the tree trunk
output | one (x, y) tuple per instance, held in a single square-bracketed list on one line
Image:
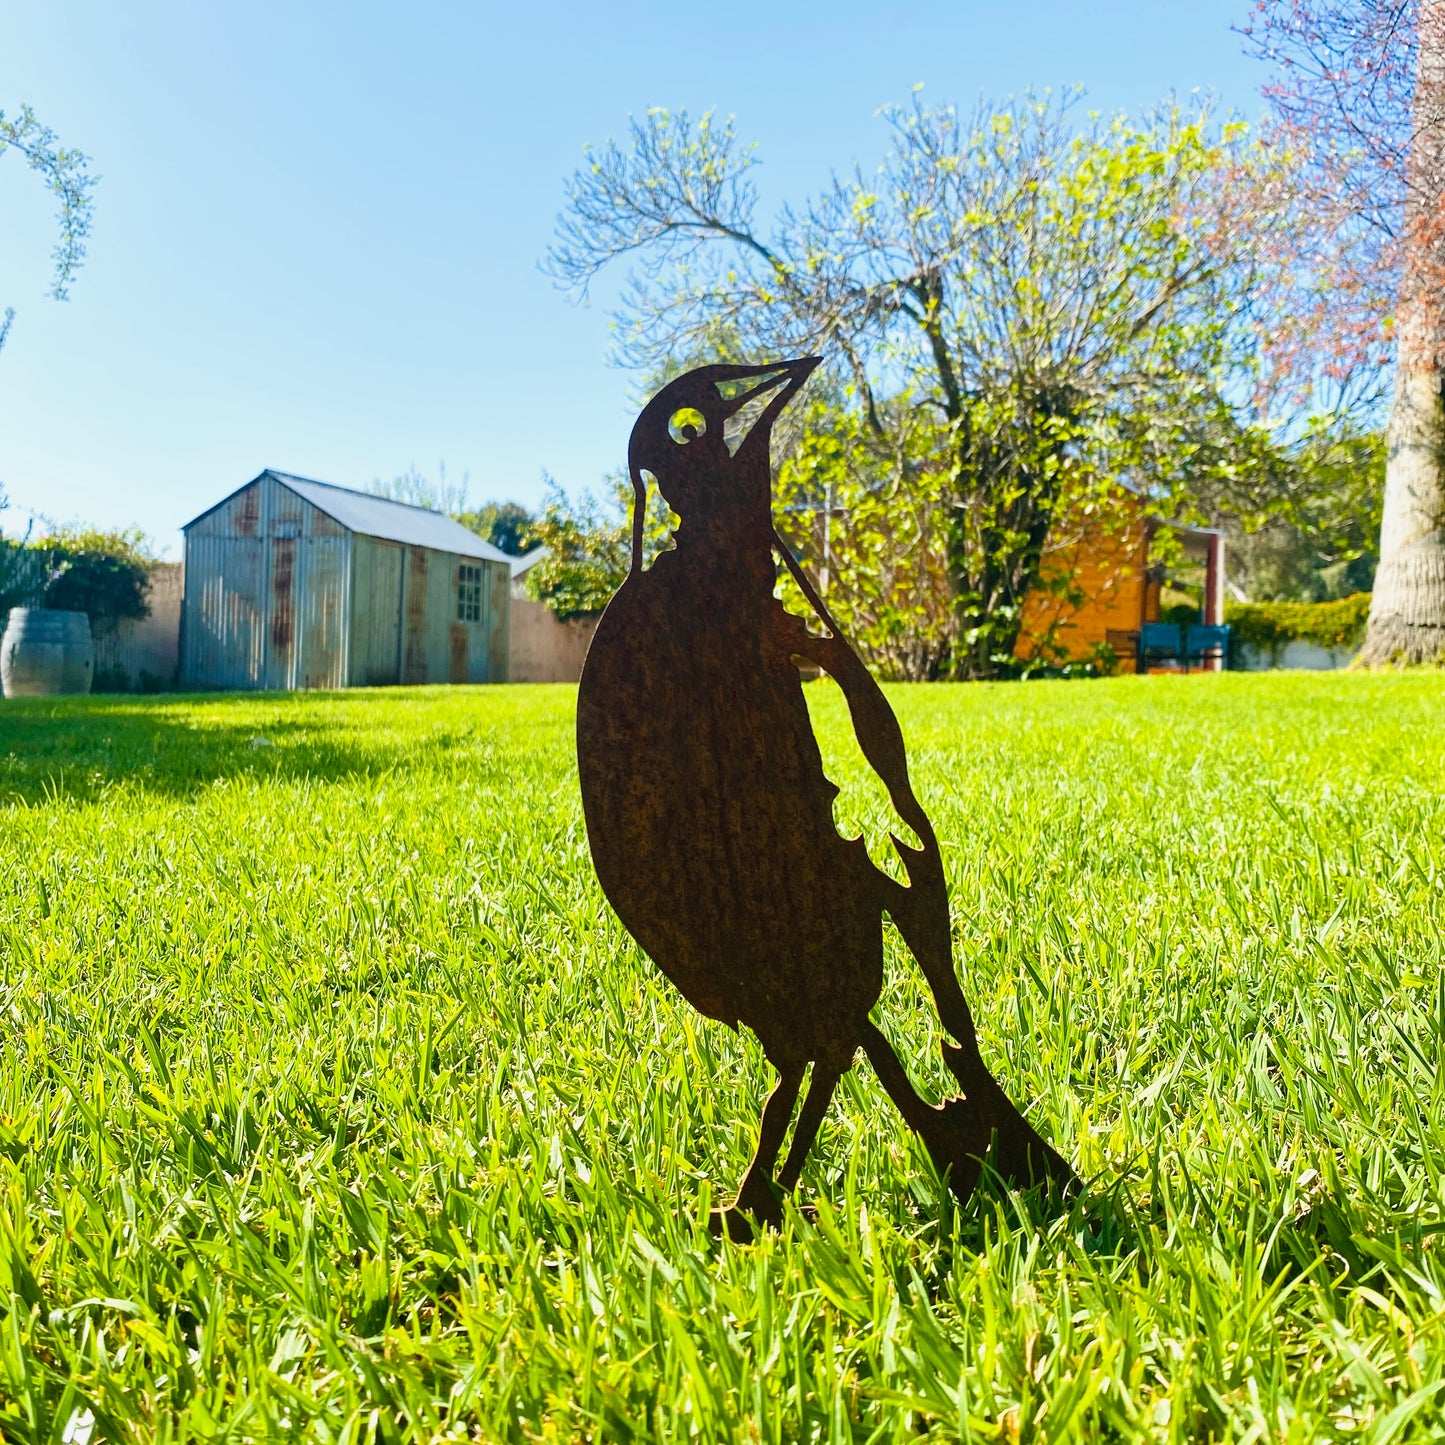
[(1407, 612)]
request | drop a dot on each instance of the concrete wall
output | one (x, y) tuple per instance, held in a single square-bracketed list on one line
[(1305, 656), (544, 649), (142, 654)]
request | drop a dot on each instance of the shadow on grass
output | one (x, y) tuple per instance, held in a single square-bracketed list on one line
[(176, 746)]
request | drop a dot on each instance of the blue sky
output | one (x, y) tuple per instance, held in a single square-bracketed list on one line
[(318, 226)]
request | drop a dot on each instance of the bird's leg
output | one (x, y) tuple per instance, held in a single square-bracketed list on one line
[(755, 1193), (810, 1116), (952, 1134)]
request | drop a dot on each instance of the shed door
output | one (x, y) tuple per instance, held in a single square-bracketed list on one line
[(376, 613)]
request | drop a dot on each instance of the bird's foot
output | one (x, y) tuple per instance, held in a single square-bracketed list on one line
[(1019, 1155), (733, 1222), (757, 1203)]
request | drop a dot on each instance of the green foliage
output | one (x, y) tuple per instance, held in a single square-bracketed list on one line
[(103, 574), (1027, 307), (1311, 530), (589, 547), (1272, 626), (336, 1105), (507, 525), (67, 178), (869, 521)]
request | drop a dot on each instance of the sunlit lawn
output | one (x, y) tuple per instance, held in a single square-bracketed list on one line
[(334, 1103)]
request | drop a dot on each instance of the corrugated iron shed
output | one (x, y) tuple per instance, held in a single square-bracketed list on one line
[(294, 583)]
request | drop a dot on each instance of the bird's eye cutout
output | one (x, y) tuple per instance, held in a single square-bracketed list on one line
[(686, 424)]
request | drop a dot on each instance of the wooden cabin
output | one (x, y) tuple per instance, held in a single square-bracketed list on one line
[(1099, 586)]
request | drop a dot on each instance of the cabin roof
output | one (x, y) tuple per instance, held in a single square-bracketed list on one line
[(372, 516)]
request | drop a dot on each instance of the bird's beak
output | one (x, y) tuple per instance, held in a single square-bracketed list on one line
[(757, 406)]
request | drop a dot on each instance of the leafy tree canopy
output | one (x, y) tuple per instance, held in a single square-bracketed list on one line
[(589, 546), (103, 574), (507, 525), (1023, 309)]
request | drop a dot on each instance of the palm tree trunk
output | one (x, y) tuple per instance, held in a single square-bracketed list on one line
[(1407, 612)]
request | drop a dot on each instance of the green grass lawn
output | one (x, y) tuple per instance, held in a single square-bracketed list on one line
[(335, 1104)]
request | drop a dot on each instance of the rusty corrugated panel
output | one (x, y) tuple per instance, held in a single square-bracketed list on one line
[(441, 605), (323, 603), (281, 617), (375, 626), (499, 624), (458, 650), (224, 643), (414, 616), (283, 519)]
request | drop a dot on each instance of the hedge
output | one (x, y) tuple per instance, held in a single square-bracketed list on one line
[(1271, 626)]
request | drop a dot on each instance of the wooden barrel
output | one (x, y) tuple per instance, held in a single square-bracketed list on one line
[(43, 653)]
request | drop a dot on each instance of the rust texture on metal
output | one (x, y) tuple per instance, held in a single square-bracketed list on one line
[(710, 817), (281, 594)]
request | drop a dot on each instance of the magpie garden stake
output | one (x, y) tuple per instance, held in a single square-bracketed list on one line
[(710, 817)]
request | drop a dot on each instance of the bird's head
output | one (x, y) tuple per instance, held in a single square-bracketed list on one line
[(705, 438)]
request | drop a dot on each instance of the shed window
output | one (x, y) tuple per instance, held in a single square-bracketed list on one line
[(469, 594)]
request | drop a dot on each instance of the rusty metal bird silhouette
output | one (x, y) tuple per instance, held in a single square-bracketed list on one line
[(710, 817)]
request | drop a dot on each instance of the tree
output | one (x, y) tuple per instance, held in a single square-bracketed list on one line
[(503, 524), (589, 547), (1052, 309), (103, 574), (67, 176), (1361, 94), (507, 525), (413, 489)]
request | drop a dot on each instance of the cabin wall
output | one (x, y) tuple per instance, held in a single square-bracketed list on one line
[(1108, 566), (278, 595), (267, 590)]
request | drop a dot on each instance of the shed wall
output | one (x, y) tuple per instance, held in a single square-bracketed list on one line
[(437, 645), (280, 595), (376, 570), (267, 584)]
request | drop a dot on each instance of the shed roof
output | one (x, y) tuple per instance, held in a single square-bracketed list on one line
[(524, 564), (380, 517)]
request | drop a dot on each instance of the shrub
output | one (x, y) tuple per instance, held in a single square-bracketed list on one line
[(1271, 626), (103, 574)]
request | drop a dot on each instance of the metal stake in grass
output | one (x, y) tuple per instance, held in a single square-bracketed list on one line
[(710, 816)]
